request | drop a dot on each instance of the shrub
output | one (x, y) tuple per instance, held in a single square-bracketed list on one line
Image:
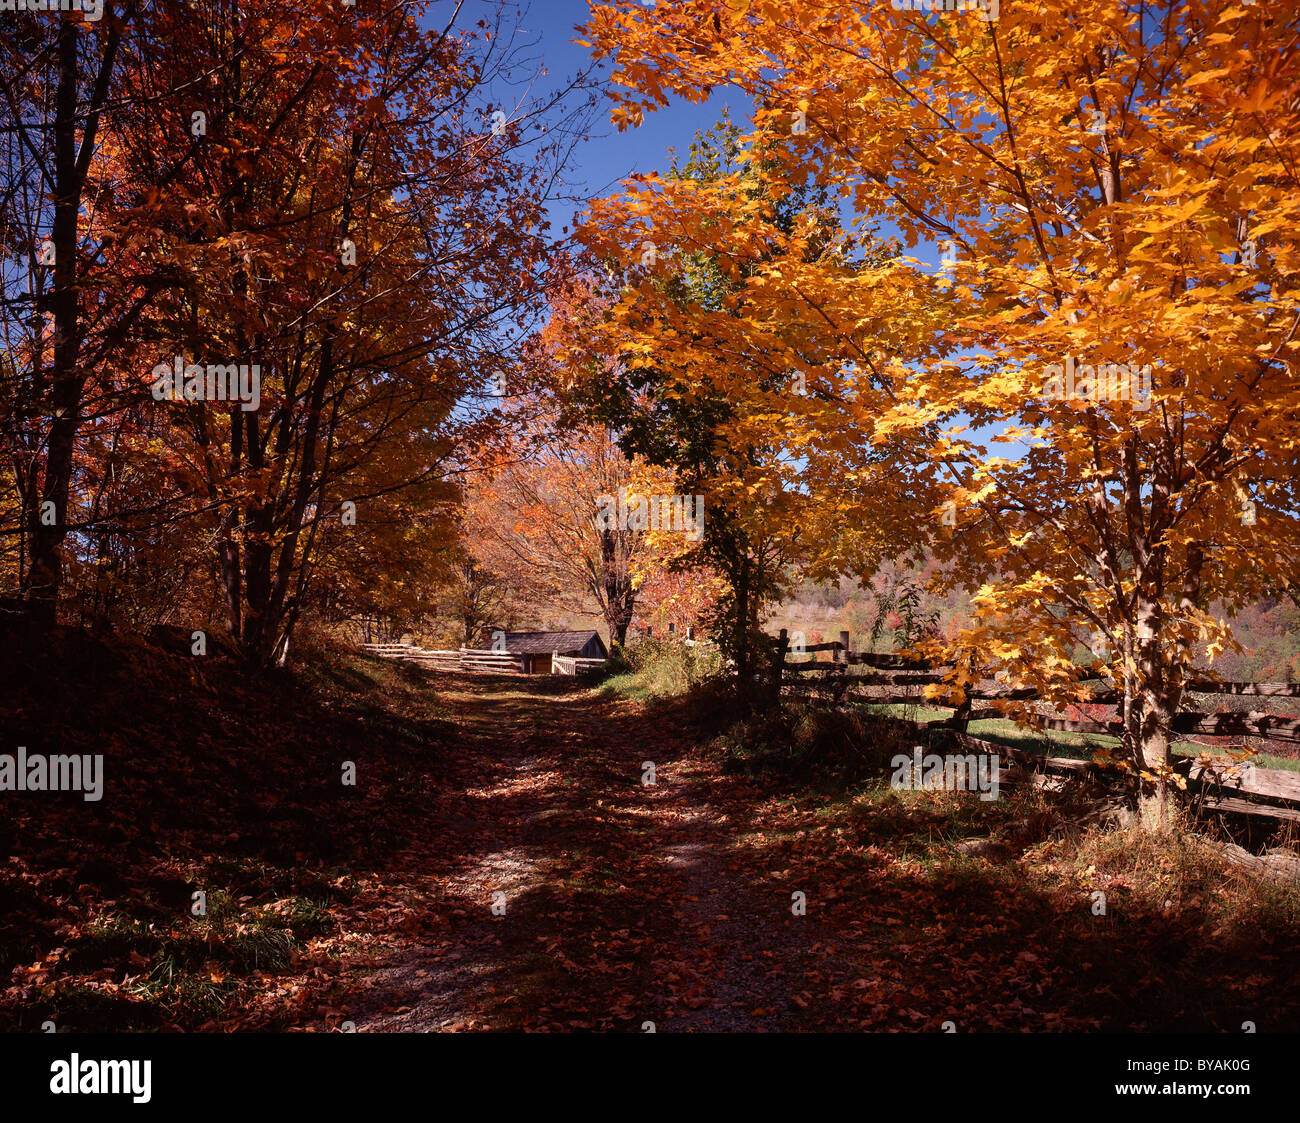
[(660, 667), (810, 744)]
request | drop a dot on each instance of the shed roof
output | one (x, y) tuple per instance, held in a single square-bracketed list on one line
[(547, 642)]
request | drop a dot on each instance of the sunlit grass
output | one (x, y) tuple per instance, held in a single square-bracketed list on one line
[(1079, 746)]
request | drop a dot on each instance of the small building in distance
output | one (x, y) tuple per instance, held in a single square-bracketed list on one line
[(536, 648)]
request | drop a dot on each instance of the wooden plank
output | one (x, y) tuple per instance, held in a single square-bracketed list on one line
[(1060, 764), (826, 690), (893, 699), (1280, 864), (1268, 793), (927, 678), (1249, 782), (1113, 728), (1267, 726), (889, 662), (1269, 783), (1110, 697), (1253, 724), (1018, 694), (865, 658), (892, 661), (1258, 785), (816, 685), (1274, 689), (894, 678), (1240, 806), (493, 661), (1029, 694), (898, 678)]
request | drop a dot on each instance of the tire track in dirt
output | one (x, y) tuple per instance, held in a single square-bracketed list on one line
[(431, 985), (648, 920), (744, 938)]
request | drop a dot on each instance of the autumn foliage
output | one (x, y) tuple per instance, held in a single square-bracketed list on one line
[(1090, 396), (320, 203)]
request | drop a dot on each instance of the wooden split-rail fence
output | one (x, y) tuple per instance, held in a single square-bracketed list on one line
[(476, 659), (1224, 785), (463, 659)]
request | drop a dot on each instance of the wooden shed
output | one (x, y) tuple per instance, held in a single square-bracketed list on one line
[(536, 648)]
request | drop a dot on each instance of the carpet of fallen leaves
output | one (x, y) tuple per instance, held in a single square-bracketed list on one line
[(502, 865)]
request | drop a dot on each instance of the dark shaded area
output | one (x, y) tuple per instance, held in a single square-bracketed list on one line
[(625, 903)]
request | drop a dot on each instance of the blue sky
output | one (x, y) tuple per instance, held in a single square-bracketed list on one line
[(608, 155), (548, 29), (546, 34)]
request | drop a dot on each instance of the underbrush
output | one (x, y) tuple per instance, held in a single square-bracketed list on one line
[(815, 746), (659, 667), (1075, 835), (1119, 928), (216, 782), (138, 965), (1182, 874)]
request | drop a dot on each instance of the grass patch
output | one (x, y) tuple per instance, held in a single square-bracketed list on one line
[(1054, 742), (659, 667), (1181, 875), (813, 745), (183, 971)]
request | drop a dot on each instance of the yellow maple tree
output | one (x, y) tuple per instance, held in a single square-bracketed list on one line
[(1110, 190)]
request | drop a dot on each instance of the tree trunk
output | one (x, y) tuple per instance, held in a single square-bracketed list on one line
[(47, 534), (741, 640), (44, 578), (619, 599), (1148, 716)]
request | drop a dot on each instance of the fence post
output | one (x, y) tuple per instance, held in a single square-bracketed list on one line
[(961, 719), (778, 664), (838, 680)]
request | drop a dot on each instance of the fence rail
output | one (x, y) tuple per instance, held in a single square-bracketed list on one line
[(1249, 790), (477, 659), (462, 659), (574, 664)]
